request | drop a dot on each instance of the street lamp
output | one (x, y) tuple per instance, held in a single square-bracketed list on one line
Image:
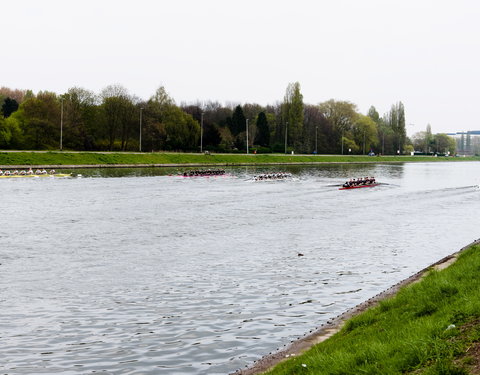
[(247, 133), (286, 132), (140, 132), (201, 133), (316, 140)]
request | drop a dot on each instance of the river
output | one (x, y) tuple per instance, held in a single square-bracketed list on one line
[(131, 271)]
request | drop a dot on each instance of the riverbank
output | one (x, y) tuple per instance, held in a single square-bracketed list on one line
[(57, 159), (426, 324)]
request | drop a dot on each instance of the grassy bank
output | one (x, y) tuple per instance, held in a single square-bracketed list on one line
[(430, 327), (97, 158)]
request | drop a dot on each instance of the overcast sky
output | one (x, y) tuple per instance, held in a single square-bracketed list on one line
[(424, 53)]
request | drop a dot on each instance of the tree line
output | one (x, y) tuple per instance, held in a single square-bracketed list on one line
[(115, 120)]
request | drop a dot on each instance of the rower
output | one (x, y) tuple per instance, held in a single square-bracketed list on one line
[(30, 171), (23, 172), (52, 171)]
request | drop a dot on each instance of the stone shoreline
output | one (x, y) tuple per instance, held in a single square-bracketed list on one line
[(334, 325)]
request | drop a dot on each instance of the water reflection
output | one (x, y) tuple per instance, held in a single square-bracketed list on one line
[(163, 274)]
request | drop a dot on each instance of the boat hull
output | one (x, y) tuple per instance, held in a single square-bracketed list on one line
[(358, 187), (36, 175)]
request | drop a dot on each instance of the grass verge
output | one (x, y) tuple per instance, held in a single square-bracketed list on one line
[(430, 327), (107, 158)]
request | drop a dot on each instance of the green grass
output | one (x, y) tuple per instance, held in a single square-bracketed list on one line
[(407, 334), (89, 158)]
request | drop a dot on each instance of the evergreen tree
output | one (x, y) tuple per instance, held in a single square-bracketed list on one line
[(238, 122), (211, 135), (9, 106), (262, 137)]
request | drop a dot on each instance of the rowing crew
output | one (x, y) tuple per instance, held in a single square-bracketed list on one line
[(206, 172), (25, 172), (272, 176), (360, 181)]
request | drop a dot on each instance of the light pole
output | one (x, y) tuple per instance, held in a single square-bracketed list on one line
[(286, 133), (61, 127), (140, 132), (201, 133), (316, 140), (247, 133)]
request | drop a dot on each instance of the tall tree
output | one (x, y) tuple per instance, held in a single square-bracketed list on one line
[(175, 129), (316, 130), (428, 139), (262, 138), (118, 107), (444, 144), (396, 121), (364, 133), (292, 114), (9, 106), (238, 121), (341, 115), (79, 117), (10, 133), (41, 121), (373, 114)]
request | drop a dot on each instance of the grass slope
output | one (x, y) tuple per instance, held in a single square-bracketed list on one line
[(89, 158), (430, 327)]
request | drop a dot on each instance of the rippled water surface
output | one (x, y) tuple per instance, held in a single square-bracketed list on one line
[(139, 272)]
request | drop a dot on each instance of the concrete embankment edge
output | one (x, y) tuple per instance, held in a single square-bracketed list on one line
[(334, 325)]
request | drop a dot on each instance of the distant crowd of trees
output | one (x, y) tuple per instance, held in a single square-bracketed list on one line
[(116, 120)]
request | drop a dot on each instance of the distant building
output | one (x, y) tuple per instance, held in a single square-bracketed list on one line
[(468, 143)]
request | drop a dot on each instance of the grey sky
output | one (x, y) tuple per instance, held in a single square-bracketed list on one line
[(424, 53)]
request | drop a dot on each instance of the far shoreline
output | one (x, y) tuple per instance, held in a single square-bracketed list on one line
[(82, 160)]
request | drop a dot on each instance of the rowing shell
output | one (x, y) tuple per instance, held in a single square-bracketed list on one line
[(358, 187), (37, 175)]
